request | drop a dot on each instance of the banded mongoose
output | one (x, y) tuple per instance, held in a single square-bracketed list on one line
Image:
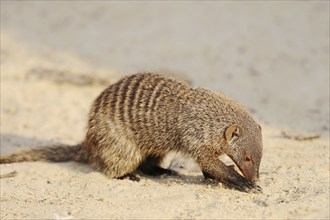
[(135, 122)]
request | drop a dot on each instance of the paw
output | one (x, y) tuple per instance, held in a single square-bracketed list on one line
[(159, 171), (169, 172), (242, 184), (256, 189), (130, 177), (250, 188)]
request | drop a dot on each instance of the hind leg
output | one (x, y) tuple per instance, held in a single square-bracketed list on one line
[(119, 158), (150, 166)]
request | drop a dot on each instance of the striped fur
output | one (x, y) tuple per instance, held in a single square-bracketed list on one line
[(138, 120)]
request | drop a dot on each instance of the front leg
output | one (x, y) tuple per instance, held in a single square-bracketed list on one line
[(227, 175), (207, 176)]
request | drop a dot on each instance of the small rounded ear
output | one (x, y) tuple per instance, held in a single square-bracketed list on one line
[(232, 131), (259, 127)]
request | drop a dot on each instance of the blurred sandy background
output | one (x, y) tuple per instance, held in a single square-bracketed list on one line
[(273, 57)]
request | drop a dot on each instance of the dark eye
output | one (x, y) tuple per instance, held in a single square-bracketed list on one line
[(247, 158)]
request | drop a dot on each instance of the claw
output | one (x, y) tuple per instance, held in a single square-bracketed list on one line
[(253, 189), (257, 189)]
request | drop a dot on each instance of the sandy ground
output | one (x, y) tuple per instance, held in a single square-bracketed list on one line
[(271, 56)]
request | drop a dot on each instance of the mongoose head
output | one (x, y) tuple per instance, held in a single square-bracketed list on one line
[(245, 148)]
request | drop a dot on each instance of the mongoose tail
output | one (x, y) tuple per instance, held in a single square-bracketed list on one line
[(57, 153)]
